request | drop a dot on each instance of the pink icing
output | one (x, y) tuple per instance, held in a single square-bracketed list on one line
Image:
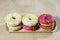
[(44, 27), (27, 27), (45, 18), (53, 25)]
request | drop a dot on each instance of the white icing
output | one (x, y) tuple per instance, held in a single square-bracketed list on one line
[(31, 22), (12, 27), (13, 22)]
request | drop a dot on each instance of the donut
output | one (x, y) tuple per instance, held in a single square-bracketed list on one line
[(46, 19), (13, 19), (27, 27), (48, 28), (33, 28), (30, 20), (14, 28)]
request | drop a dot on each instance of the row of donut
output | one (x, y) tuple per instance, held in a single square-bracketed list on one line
[(15, 21)]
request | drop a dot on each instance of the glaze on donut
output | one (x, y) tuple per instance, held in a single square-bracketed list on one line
[(49, 28), (45, 19), (13, 19), (30, 20), (27, 27)]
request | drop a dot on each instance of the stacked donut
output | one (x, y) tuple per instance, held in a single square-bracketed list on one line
[(47, 22), (29, 22), (13, 21)]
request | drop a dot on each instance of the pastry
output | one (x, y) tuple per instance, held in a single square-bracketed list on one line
[(46, 19), (29, 20), (47, 22), (13, 21)]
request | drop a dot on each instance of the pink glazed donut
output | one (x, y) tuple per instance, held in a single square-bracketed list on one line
[(49, 28), (45, 19), (32, 28), (27, 27)]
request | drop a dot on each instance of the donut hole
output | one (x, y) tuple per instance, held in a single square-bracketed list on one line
[(45, 17), (13, 18), (30, 19)]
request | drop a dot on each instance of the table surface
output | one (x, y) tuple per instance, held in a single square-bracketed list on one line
[(24, 6)]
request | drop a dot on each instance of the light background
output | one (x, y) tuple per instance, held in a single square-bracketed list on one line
[(24, 6)]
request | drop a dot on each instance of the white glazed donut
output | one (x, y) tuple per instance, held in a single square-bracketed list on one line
[(13, 19), (30, 20), (13, 28)]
